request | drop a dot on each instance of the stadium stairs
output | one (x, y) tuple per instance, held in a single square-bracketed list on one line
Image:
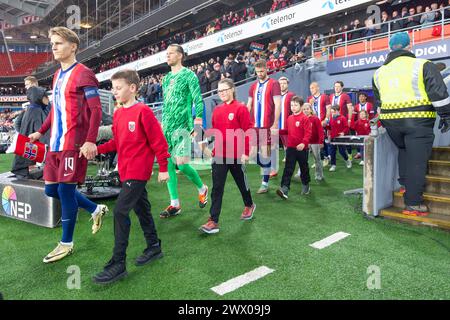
[(436, 196)]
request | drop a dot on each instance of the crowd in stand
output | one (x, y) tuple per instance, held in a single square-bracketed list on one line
[(411, 17), (11, 91), (303, 45), (226, 21), (7, 119), (236, 66)]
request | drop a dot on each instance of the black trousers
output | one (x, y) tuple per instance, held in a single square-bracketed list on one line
[(292, 157), (342, 150), (415, 146), (219, 177), (132, 196)]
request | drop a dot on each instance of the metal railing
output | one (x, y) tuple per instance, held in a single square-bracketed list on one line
[(368, 41)]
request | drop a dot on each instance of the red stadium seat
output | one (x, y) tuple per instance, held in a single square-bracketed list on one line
[(24, 63)]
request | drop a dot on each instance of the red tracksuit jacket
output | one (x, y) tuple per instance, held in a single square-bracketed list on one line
[(231, 117), (137, 138), (317, 134), (362, 127), (299, 130), (337, 126)]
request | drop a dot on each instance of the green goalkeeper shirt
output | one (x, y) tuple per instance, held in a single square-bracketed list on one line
[(180, 92)]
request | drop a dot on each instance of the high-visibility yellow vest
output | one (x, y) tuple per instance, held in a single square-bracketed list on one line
[(401, 86)]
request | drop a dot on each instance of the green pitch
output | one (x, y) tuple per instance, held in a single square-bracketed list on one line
[(413, 261)]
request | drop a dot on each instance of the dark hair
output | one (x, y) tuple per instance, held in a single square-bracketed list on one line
[(179, 49), (363, 93), (335, 107), (340, 82), (298, 100), (130, 76)]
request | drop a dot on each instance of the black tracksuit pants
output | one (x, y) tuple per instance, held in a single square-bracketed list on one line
[(415, 146), (132, 196), (219, 176), (292, 157)]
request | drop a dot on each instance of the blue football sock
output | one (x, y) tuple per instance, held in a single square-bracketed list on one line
[(85, 203), (69, 208), (51, 190), (265, 164)]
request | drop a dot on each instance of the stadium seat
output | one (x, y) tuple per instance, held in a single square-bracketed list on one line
[(24, 63), (381, 44)]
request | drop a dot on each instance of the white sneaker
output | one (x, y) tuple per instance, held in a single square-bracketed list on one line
[(349, 163), (361, 163), (98, 218), (333, 168), (325, 162)]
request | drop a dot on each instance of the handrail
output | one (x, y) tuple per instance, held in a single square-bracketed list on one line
[(388, 33), (246, 80), (442, 10)]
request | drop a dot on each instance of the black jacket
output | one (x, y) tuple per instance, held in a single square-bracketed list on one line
[(238, 71), (434, 86), (203, 80), (214, 78)]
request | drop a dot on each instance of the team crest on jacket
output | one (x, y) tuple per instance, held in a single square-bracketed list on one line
[(339, 122), (231, 116), (297, 124), (131, 126)]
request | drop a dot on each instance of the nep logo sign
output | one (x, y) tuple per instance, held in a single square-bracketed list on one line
[(12, 207)]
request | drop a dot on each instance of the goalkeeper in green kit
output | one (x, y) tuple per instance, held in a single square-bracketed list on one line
[(181, 91)]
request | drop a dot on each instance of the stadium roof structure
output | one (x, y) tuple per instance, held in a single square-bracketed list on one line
[(12, 10)]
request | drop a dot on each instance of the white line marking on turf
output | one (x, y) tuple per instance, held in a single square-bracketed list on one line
[(329, 240), (242, 280)]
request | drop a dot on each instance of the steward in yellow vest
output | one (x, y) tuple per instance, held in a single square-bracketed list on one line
[(409, 93)]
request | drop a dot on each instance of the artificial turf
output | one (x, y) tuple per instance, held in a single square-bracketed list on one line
[(413, 260)]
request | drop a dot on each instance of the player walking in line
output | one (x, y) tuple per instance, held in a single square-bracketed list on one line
[(73, 121), (181, 90), (264, 104)]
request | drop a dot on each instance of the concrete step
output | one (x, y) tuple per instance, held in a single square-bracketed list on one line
[(437, 203), (439, 168), (437, 185), (441, 153), (433, 219)]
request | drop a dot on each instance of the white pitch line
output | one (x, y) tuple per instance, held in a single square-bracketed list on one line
[(329, 240), (242, 280)]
